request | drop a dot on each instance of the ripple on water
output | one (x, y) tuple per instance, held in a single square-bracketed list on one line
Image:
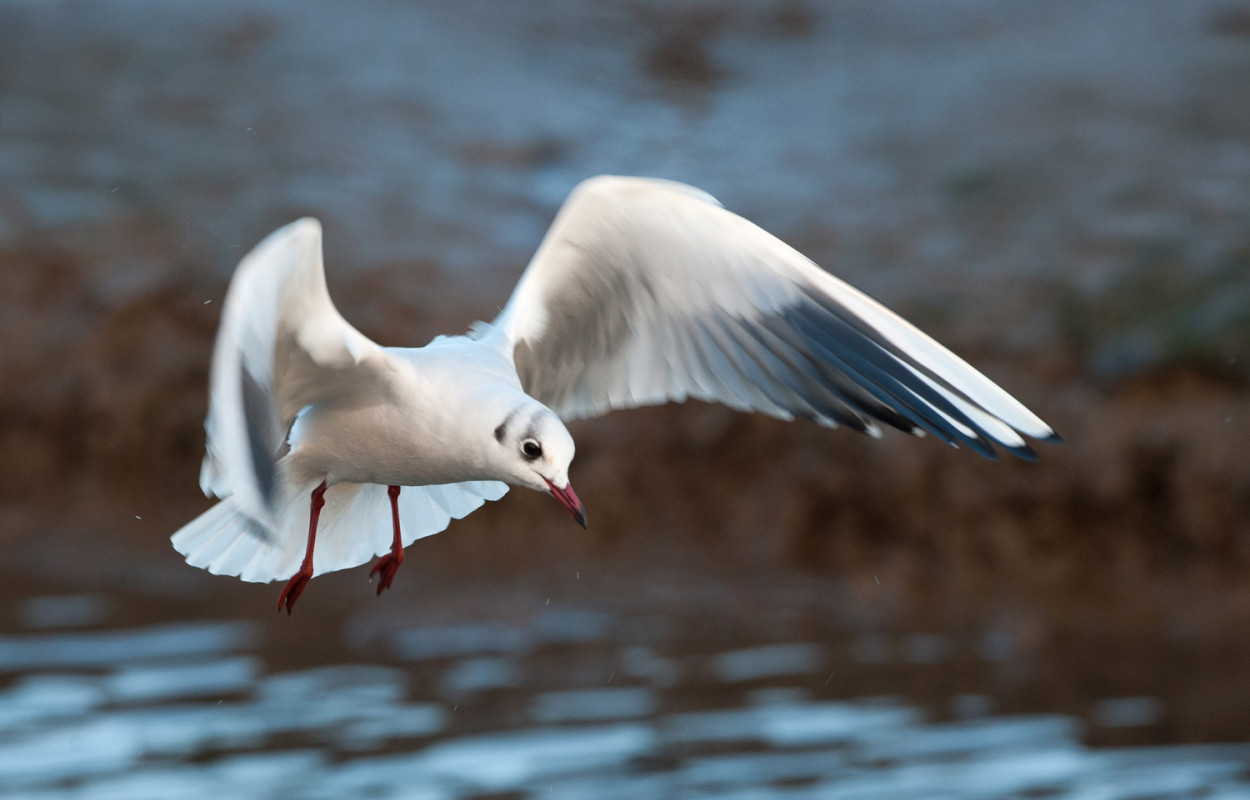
[(92, 746), (474, 675), (1126, 712), (364, 705), (63, 611), (593, 705), (457, 641), (494, 762), (40, 698), (981, 736), (107, 648), (640, 661), (738, 769), (554, 626), (768, 661), (225, 676), (789, 725), (153, 723)]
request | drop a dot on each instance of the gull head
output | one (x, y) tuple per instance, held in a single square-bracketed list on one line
[(534, 450)]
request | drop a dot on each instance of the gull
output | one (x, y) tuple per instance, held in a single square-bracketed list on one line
[(643, 291)]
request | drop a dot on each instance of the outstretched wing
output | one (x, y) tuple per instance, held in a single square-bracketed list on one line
[(646, 291), (281, 346)]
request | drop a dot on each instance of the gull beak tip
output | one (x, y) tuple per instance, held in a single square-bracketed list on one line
[(568, 498)]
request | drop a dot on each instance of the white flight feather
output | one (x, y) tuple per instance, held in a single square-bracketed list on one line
[(645, 274)]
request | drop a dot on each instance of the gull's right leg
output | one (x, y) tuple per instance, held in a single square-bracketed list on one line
[(299, 580), (389, 563)]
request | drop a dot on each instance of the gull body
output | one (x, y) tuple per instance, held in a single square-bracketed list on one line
[(414, 434), (642, 292)]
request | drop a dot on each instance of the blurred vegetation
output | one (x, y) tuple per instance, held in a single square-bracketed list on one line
[(1162, 310)]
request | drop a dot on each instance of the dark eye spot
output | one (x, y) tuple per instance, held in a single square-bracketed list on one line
[(531, 449)]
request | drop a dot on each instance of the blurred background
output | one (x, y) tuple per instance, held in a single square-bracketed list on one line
[(1060, 192)]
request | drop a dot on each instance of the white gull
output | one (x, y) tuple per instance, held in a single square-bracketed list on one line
[(642, 292)]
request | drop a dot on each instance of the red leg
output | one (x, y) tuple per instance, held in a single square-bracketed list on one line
[(299, 580), (388, 564)]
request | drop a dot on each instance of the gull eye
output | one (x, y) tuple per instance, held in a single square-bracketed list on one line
[(531, 449)]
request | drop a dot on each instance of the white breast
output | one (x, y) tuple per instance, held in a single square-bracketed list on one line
[(427, 429)]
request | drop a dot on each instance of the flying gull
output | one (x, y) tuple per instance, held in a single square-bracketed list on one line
[(642, 292)]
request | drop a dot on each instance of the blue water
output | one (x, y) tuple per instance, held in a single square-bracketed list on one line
[(191, 710)]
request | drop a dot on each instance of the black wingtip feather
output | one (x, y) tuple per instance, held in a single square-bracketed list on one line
[(838, 385), (1024, 453), (880, 384), (794, 371), (859, 347)]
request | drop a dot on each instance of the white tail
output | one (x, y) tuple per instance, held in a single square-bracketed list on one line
[(355, 526)]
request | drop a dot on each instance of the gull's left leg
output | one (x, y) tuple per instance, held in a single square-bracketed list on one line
[(295, 586), (388, 564)]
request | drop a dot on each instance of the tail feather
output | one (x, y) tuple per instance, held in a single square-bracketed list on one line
[(353, 528), (206, 540)]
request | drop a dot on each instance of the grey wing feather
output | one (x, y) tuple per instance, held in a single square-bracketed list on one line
[(647, 291)]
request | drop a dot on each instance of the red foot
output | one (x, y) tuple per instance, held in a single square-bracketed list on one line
[(294, 588), (299, 580), (386, 567), (388, 564)]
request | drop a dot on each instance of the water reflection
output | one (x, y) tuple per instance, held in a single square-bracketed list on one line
[(190, 710)]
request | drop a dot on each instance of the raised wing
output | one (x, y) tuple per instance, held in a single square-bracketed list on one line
[(646, 291), (280, 347)]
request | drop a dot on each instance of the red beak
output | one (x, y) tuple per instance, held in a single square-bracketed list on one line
[(568, 499)]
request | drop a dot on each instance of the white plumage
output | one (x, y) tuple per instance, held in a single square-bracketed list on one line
[(642, 292)]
